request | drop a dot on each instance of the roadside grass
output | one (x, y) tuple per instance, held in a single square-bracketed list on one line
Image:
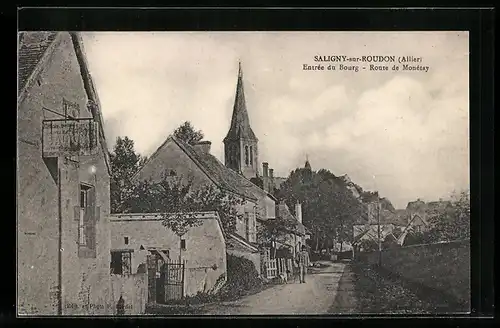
[(378, 292)]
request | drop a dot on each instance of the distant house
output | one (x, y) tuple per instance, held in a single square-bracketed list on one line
[(135, 238), (392, 224), (63, 176)]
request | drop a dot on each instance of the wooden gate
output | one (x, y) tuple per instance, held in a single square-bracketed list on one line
[(272, 270), (174, 280)]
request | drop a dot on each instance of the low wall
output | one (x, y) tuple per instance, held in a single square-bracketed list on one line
[(444, 267), (204, 280), (134, 290)]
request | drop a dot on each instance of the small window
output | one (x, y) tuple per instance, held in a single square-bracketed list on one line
[(251, 156), (83, 196), (183, 244), (126, 240), (246, 155), (121, 262), (83, 229)]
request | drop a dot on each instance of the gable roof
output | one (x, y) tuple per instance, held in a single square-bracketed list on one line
[(283, 212), (32, 46), (218, 173)]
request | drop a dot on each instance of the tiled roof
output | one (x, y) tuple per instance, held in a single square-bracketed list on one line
[(220, 174), (283, 212), (32, 46)]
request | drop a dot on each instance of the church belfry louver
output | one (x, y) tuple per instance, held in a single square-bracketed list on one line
[(240, 144)]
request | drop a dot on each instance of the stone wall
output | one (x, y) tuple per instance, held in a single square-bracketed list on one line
[(204, 255), (444, 267), (134, 291), (85, 281)]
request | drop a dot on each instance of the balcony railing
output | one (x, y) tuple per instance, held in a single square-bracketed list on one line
[(69, 137)]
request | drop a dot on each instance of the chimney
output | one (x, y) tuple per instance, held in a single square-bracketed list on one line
[(298, 211), (265, 167), (271, 173), (203, 146)]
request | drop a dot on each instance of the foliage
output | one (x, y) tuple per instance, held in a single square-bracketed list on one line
[(178, 198), (446, 223), (390, 241), (417, 238), (125, 162), (453, 223), (329, 207), (187, 133), (241, 277), (368, 245), (276, 230)]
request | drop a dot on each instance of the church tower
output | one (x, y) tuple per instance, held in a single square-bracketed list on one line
[(240, 144)]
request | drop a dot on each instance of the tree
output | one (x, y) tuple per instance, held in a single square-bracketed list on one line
[(187, 133), (329, 208), (452, 222), (125, 162), (276, 230), (179, 202)]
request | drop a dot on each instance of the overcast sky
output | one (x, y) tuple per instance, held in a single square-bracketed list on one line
[(405, 134)]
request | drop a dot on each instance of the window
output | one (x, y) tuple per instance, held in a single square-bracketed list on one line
[(121, 262), (183, 244), (83, 233), (251, 156), (126, 240), (246, 155), (86, 214)]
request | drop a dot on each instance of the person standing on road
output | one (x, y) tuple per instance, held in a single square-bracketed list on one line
[(303, 259)]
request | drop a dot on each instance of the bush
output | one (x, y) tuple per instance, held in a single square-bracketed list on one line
[(241, 276)]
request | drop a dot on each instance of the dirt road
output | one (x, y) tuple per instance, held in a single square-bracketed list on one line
[(316, 296)]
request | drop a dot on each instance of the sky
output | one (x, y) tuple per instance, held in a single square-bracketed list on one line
[(405, 134)]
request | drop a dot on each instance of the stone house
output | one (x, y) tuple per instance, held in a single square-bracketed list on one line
[(63, 199), (202, 249), (195, 164)]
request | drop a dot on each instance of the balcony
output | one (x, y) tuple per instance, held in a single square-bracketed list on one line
[(69, 137)]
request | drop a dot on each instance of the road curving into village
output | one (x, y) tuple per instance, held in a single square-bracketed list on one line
[(316, 296)]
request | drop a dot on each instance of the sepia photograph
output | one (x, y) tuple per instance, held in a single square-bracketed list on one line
[(243, 173)]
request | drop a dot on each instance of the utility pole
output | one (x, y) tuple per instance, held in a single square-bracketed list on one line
[(378, 229)]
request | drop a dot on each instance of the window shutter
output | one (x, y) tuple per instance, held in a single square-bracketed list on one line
[(76, 213), (90, 212)]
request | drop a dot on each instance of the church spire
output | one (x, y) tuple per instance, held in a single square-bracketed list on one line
[(307, 165), (240, 123), (241, 144)]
